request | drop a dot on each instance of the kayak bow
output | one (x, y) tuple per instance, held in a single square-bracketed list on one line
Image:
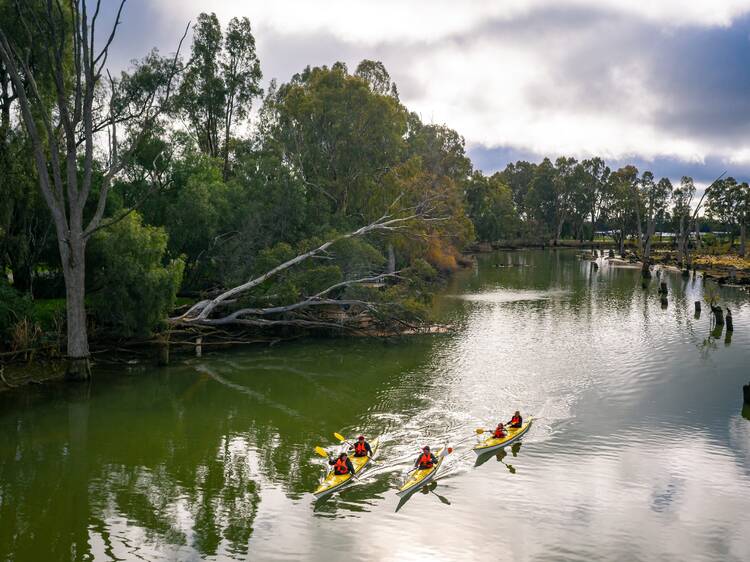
[(492, 443), (335, 482)]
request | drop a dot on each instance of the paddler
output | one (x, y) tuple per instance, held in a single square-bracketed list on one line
[(426, 459), (499, 432), (516, 421), (342, 465), (362, 448)]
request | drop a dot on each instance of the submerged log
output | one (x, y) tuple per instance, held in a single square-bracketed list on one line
[(730, 324)]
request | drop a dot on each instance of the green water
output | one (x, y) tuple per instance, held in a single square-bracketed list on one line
[(640, 452)]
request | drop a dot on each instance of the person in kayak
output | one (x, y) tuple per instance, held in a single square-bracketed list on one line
[(516, 421), (426, 459), (499, 432), (362, 448), (342, 465)]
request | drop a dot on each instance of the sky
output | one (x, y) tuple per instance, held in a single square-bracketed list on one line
[(662, 84)]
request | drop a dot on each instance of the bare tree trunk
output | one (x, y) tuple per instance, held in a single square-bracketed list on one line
[(391, 260), (743, 238), (74, 269)]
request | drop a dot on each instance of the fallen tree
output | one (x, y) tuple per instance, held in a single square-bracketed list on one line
[(225, 309)]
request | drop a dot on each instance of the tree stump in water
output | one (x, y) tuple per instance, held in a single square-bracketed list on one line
[(730, 324), (697, 309), (663, 289), (746, 393), (664, 301), (199, 347), (612, 254), (718, 315)]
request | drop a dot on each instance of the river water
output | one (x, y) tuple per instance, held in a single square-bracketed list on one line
[(639, 452)]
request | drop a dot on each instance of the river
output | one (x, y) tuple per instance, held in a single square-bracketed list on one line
[(639, 452)]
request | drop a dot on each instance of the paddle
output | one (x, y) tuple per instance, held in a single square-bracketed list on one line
[(322, 452)]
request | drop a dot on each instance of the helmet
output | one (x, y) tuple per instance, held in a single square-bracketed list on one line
[(426, 448), (361, 437), (342, 455)]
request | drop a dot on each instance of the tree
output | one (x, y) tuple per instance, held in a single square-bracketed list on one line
[(682, 198), (375, 74), (619, 203), (729, 203), (127, 266), (220, 84), (490, 207), (655, 197), (66, 136)]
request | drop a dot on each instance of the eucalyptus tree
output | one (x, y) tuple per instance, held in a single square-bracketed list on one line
[(729, 203), (596, 177), (619, 203), (654, 197), (64, 134), (220, 83), (682, 198)]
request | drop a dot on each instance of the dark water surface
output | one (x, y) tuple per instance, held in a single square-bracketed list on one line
[(640, 452)]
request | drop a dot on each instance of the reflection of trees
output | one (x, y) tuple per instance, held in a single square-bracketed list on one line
[(178, 458)]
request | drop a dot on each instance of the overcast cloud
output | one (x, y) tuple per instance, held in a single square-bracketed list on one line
[(663, 84)]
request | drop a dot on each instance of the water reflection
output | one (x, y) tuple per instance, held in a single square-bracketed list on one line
[(641, 451)]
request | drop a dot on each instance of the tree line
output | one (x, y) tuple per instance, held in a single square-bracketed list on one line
[(183, 176)]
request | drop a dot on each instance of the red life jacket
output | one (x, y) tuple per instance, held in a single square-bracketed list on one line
[(425, 461), (515, 420), (340, 467), (359, 449), (499, 433)]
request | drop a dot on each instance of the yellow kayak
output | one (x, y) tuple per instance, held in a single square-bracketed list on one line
[(334, 482), (492, 443), (421, 476)]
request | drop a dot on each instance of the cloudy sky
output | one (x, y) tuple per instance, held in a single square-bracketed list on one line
[(660, 83)]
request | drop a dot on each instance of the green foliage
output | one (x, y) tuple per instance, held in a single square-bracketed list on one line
[(131, 289), (14, 308), (491, 209)]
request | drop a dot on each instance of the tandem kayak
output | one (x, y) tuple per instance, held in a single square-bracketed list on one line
[(421, 476), (334, 482), (493, 443)]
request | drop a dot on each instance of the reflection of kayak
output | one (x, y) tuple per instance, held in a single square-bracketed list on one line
[(421, 476), (334, 482), (492, 443)]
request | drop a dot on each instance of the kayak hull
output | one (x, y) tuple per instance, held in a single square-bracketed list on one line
[(492, 444), (420, 477), (334, 482)]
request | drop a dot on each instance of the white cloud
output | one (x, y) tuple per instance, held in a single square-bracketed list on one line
[(563, 77), (429, 20)]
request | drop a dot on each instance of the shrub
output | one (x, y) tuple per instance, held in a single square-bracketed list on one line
[(131, 288), (15, 309)]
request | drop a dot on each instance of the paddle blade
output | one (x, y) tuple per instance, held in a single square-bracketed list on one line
[(321, 451), (339, 437), (479, 431), (450, 450)]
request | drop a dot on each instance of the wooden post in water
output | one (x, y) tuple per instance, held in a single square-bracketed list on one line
[(162, 352), (697, 309), (611, 253), (746, 394), (730, 325), (663, 288), (718, 315), (199, 347)]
